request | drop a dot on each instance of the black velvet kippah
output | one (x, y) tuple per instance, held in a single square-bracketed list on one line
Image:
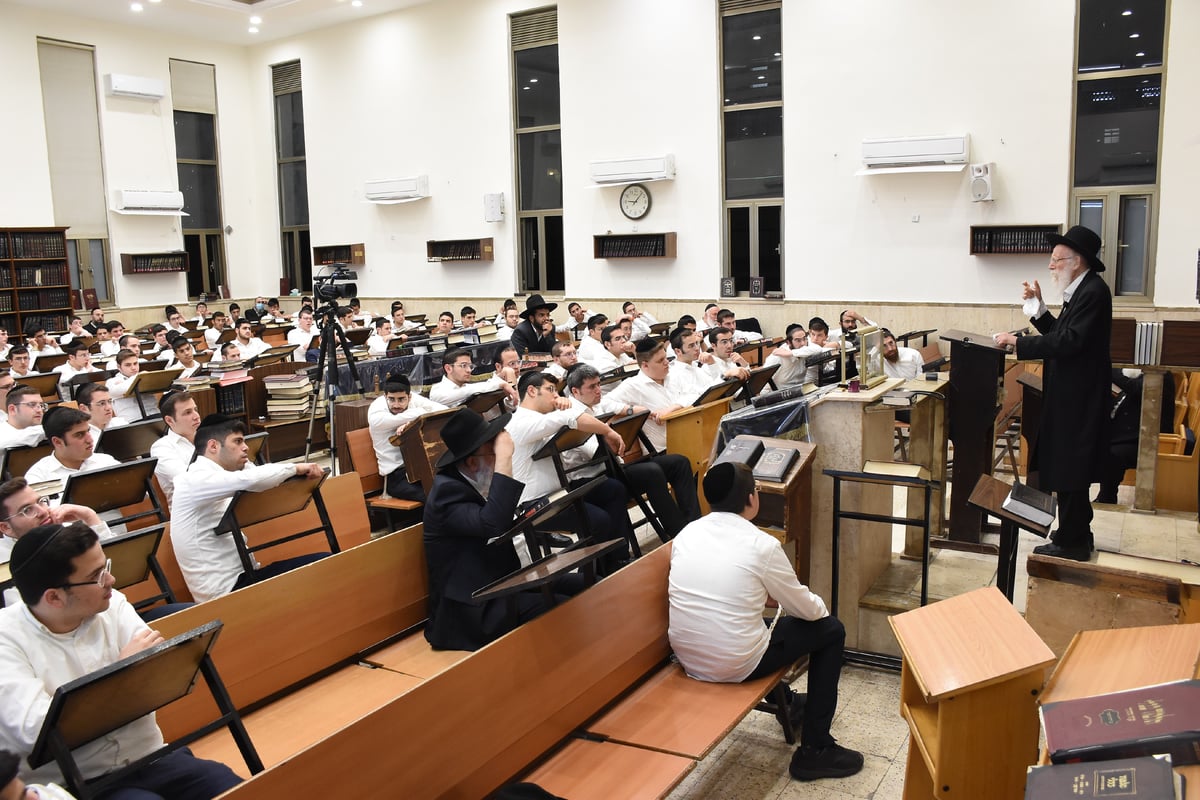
[(646, 345), (718, 482)]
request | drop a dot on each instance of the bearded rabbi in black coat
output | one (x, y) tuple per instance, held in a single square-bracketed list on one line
[(1076, 379)]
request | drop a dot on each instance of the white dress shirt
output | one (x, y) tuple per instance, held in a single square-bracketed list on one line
[(110, 347), (125, 403), (210, 563), (383, 424), (684, 378), (450, 395), (503, 332), (792, 369), (253, 347), (719, 366), (174, 454), (529, 431), (604, 361), (49, 468), (588, 348), (303, 340), (22, 437), (907, 366), (641, 327), (211, 335), (722, 570), (640, 390), (115, 422), (34, 662)]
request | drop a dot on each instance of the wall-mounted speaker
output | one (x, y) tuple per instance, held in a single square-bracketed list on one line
[(981, 181)]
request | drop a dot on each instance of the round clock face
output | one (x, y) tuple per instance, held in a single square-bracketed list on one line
[(635, 201)]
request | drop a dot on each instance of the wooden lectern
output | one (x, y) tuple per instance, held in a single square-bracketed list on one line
[(976, 374)]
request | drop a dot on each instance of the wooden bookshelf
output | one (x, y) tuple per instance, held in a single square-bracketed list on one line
[(35, 283), (152, 263), (460, 250), (353, 254), (634, 245), (1011, 239)]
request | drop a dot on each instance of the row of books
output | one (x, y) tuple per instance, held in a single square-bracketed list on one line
[(1119, 744), (43, 298), (43, 275), (1014, 240), (33, 245), (455, 251), (176, 262), (632, 246)]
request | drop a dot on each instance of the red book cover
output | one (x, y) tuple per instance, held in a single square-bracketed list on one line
[(1164, 718)]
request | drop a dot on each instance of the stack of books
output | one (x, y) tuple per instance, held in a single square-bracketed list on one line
[(287, 396)]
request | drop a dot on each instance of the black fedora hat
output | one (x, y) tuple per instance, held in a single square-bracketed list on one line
[(467, 431), (1082, 240), (534, 302)]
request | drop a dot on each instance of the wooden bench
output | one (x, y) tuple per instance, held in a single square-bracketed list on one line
[(531, 703), (289, 649)]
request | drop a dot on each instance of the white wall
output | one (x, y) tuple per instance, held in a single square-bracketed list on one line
[(427, 90)]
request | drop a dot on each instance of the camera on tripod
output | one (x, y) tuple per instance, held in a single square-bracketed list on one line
[(330, 287)]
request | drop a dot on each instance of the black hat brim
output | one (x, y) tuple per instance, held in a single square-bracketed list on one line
[(490, 430), (1093, 261)]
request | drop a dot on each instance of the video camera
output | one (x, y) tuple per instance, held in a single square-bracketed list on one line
[(327, 288)]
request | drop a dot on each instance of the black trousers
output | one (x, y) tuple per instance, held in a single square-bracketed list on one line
[(656, 476), (278, 568), (1074, 519), (399, 487), (823, 641)]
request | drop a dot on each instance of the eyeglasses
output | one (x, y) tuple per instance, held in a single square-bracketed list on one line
[(1061, 259), (29, 511), (103, 403), (101, 579), (33, 404)]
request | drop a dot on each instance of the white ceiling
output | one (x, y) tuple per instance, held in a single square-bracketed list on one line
[(223, 20)]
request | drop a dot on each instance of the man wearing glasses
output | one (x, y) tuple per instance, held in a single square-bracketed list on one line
[(455, 386), (613, 355), (24, 424), (21, 510), (96, 401), (792, 357), (71, 623), (725, 362)]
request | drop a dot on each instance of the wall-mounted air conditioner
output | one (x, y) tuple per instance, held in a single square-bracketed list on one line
[(398, 190), (116, 85), (948, 153), (131, 201), (634, 170)]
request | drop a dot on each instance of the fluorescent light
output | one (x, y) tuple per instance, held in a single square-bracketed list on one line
[(1134, 35), (533, 80), (1126, 13), (256, 20), (252, 29), (1139, 54), (356, 3), (756, 37)]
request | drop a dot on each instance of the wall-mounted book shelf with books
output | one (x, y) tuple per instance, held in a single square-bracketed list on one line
[(634, 245), (35, 283), (460, 250), (353, 254), (151, 263), (1011, 239)]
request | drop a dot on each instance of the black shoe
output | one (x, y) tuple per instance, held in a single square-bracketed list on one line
[(559, 540), (795, 708), (1110, 499), (833, 761), (1081, 553)]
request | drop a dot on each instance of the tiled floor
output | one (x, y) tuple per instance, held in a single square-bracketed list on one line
[(752, 761)]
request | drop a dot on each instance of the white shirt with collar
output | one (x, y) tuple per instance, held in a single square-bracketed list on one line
[(571, 324), (253, 347), (792, 369), (588, 348), (383, 424), (557, 370), (450, 395), (641, 390), (689, 378), (604, 361), (587, 451), (174, 454), (210, 562), (907, 366), (211, 335), (109, 347), (722, 570), (125, 404), (529, 431), (66, 373), (641, 327), (503, 332), (801, 356), (22, 437), (719, 366), (50, 468), (302, 340), (34, 662)]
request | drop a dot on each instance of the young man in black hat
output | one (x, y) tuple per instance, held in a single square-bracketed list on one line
[(474, 500), (1076, 380), (722, 570), (536, 333)]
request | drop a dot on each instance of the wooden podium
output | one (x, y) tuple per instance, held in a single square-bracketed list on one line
[(972, 672), (976, 374)]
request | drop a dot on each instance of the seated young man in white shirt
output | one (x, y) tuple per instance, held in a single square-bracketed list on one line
[(20, 362), (687, 375), (649, 389), (725, 363), (723, 568), (466, 317), (175, 322), (202, 316), (590, 347), (445, 324), (380, 342), (5, 347), (249, 344), (124, 401), (849, 325), (185, 357), (175, 450), (219, 323), (456, 387), (641, 321), (210, 562), (22, 510), (79, 362), (612, 354), (387, 416), (110, 346), (40, 344), (68, 430), (728, 320), (303, 335), (97, 402), (512, 318), (72, 622), (160, 343), (23, 427), (900, 362), (792, 358), (74, 331), (565, 357)]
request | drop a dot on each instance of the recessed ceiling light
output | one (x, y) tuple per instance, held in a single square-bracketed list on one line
[(135, 6), (155, 1), (252, 29), (256, 20), (533, 80), (777, 55), (525, 88), (1139, 55), (356, 3), (1135, 36), (756, 37), (1126, 13)]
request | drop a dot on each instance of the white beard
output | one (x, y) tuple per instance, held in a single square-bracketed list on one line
[(1060, 283)]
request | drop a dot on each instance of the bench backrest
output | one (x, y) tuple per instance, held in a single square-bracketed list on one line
[(362, 456), (289, 628), (543, 681)]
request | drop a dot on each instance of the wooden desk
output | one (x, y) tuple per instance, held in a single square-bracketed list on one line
[(785, 508), (1098, 662), (972, 672)]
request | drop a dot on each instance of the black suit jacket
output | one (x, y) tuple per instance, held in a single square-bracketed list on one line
[(458, 524), (1076, 379), (527, 338)]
